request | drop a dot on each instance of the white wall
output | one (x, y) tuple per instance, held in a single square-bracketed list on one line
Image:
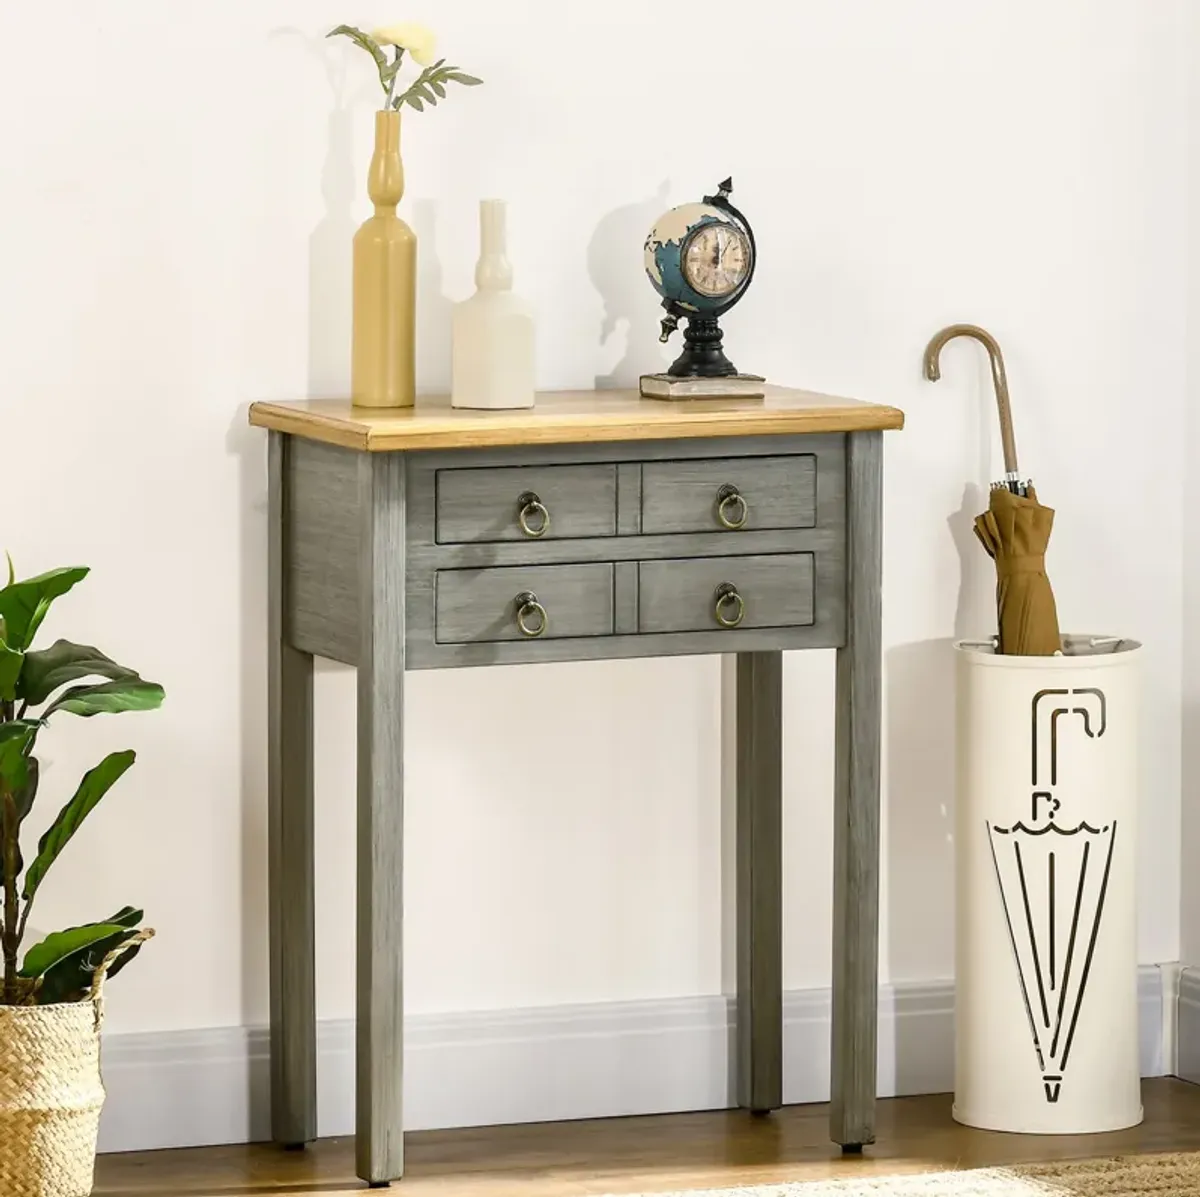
[(178, 192)]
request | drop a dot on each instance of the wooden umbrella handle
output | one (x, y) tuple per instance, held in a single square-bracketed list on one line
[(933, 371)]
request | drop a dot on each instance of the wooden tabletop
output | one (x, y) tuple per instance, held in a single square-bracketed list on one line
[(569, 417)]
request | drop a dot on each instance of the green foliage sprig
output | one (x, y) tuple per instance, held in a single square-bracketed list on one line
[(429, 87), (63, 679)]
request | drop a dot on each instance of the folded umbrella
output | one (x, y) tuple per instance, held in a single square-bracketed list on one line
[(1015, 529)]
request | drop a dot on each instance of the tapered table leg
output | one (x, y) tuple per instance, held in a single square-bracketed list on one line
[(290, 845), (759, 881), (380, 1046), (856, 809)]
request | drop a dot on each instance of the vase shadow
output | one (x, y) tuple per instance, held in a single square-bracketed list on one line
[(330, 265), (631, 308), (435, 309)]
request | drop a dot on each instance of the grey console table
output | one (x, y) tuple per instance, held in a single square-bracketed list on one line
[(597, 525)]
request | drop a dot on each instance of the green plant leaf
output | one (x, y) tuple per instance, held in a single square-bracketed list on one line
[(109, 698), (24, 804), (23, 605), (46, 670), (63, 944), (366, 42), (18, 776), (95, 784), (441, 91), (12, 572), (393, 68), (10, 670), (28, 792), (16, 739), (414, 100), (70, 979), (463, 78)]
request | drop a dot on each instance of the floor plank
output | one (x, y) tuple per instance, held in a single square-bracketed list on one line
[(636, 1155)]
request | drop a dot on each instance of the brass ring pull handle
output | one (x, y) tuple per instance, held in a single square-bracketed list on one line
[(533, 515), (732, 509), (529, 610), (730, 608)]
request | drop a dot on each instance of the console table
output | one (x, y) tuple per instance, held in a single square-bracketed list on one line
[(596, 525)]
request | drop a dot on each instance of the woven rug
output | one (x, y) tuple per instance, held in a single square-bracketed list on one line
[(1131, 1176)]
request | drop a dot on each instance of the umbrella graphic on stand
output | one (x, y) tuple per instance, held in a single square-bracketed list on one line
[(1053, 880), (1015, 530)]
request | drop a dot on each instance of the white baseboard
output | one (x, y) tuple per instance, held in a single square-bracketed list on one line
[(1187, 1036), (193, 1088)]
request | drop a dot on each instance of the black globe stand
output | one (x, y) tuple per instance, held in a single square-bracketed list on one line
[(703, 353)]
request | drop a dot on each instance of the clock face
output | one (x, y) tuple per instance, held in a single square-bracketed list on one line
[(717, 259)]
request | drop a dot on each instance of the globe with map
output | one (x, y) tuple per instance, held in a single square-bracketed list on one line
[(679, 239)]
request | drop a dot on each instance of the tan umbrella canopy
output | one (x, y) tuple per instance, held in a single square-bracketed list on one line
[(1015, 529)]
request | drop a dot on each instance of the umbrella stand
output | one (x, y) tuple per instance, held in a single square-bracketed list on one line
[(933, 371), (1046, 996)]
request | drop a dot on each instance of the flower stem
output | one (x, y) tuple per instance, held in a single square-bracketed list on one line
[(395, 76)]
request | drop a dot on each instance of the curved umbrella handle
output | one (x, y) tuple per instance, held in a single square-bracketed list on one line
[(933, 371)]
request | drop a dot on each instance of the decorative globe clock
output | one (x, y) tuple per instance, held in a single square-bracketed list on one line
[(701, 259)]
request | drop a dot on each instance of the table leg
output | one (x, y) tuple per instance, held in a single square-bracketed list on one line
[(380, 1030), (759, 881), (856, 808), (290, 845)]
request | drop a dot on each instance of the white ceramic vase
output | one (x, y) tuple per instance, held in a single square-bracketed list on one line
[(493, 356)]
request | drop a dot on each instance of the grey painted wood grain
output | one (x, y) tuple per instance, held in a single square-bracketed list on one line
[(633, 548), (682, 496), (625, 597), (322, 610), (629, 498), (426, 655), (618, 451), (680, 596), (380, 840), (291, 902), (478, 605), (856, 806), (479, 505), (325, 615), (760, 880)]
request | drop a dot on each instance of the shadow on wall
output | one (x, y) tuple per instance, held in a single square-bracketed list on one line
[(330, 291), (435, 310), (616, 270), (248, 445), (920, 721), (329, 325)]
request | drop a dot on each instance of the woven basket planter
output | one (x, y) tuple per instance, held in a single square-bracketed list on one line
[(50, 1099), (51, 1093)]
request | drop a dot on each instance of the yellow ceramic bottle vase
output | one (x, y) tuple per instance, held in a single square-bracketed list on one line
[(383, 368)]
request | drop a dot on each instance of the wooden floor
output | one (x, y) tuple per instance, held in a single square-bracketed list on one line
[(637, 1155)]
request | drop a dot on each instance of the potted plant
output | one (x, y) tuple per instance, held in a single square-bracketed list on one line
[(50, 993)]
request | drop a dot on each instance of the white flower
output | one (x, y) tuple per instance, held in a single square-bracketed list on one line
[(419, 41)]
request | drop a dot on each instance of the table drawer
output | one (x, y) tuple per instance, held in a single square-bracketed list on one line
[(703, 594), (729, 494), (552, 602), (558, 502)]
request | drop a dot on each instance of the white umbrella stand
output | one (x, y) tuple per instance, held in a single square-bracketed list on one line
[(1046, 1020)]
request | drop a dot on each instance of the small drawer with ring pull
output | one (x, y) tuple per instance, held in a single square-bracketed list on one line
[(543, 602), (518, 503), (730, 494), (726, 593)]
